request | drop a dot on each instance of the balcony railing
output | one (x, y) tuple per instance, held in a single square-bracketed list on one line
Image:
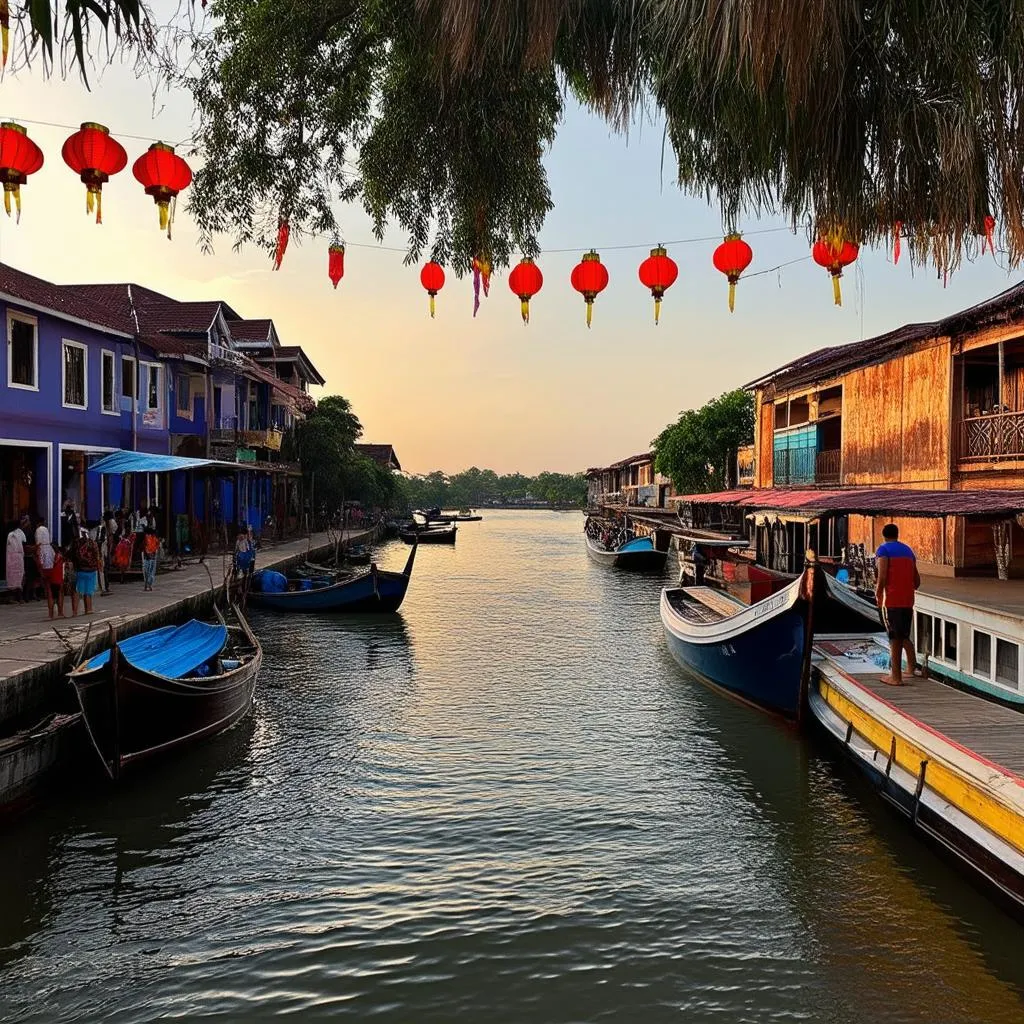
[(993, 437), (826, 466), (805, 466), (224, 430), (269, 439)]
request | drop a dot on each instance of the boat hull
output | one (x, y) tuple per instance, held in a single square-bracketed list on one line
[(761, 666), (428, 536), (955, 836), (642, 560), (358, 595), (32, 759), (137, 716)]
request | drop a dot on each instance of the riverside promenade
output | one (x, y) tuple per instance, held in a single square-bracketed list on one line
[(36, 652)]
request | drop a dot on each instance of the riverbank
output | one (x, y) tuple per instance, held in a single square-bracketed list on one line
[(36, 652)]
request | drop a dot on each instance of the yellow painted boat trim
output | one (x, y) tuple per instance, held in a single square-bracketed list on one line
[(968, 795)]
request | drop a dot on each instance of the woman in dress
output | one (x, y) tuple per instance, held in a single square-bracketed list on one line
[(15, 559), (44, 563), (87, 562)]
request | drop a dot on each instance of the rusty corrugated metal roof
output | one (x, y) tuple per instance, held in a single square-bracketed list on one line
[(870, 501)]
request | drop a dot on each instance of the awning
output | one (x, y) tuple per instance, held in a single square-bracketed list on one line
[(120, 462), (767, 518)]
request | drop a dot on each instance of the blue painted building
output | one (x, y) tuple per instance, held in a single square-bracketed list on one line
[(68, 373)]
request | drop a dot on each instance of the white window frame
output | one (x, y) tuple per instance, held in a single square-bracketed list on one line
[(65, 344), (146, 407), (114, 382), (135, 380), (12, 316)]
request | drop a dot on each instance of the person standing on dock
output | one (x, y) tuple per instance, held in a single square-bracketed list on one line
[(897, 581), (150, 555)]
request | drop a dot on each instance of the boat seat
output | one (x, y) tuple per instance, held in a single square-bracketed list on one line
[(724, 604)]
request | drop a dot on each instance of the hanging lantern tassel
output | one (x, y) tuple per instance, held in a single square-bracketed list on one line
[(163, 174), (336, 263), (897, 231), (481, 275), (589, 277), (283, 231), (5, 27), (525, 281), (990, 226), (94, 156)]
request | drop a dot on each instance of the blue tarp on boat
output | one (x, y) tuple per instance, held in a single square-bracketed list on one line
[(173, 651), (637, 544)]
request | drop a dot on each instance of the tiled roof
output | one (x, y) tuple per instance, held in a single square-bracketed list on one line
[(157, 313), (622, 463), (169, 347), (869, 501), (837, 359), (250, 330), (292, 354), (61, 300), (382, 454)]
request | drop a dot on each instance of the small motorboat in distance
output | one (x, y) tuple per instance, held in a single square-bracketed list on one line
[(167, 688), (373, 591), (413, 533), (756, 652)]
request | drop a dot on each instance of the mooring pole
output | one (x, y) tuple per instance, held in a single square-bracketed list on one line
[(115, 672), (808, 586)]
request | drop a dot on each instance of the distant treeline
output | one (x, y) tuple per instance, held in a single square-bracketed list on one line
[(476, 487)]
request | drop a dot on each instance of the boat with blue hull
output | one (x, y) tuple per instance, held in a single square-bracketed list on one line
[(757, 652), (637, 554), (373, 591)]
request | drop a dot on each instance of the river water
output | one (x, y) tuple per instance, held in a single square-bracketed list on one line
[(506, 803)]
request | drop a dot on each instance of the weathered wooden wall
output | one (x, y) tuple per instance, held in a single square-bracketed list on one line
[(928, 537), (765, 445), (896, 427)]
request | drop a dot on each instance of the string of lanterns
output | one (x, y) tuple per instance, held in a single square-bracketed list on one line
[(95, 156)]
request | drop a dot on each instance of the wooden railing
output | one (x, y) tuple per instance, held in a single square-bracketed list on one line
[(996, 436), (805, 466), (826, 466)]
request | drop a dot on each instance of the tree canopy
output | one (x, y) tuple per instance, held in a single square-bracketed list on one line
[(698, 451), (851, 117), (475, 487)]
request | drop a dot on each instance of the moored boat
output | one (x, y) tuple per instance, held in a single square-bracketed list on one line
[(167, 688), (373, 591), (756, 652), (31, 758), (415, 534), (637, 554), (951, 762)]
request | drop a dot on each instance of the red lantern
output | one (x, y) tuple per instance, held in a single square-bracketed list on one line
[(731, 258), (335, 262), (833, 255), (525, 281), (589, 277), (897, 235), (94, 156), (284, 231), (432, 279), (19, 157), (658, 272), (163, 174)]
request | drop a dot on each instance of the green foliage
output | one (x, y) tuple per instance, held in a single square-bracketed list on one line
[(698, 451), (476, 487), (325, 443)]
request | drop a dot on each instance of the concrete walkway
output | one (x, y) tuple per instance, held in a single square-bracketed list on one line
[(32, 653)]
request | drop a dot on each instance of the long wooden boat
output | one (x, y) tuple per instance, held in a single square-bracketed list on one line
[(165, 689), (757, 652), (31, 758), (373, 591), (951, 762), (412, 534), (636, 555)]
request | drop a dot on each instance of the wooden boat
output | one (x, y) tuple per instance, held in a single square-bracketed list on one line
[(373, 591), (167, 688), (31, 758), (358, 554), (636, 555), (756, 652), (414, 534), (951, 762)]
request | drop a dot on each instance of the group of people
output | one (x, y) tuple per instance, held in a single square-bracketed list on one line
[(78, 563)]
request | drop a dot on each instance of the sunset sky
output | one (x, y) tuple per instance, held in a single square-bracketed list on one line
[(455, 391)]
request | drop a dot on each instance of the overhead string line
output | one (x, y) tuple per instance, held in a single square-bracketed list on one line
[(402, 249)]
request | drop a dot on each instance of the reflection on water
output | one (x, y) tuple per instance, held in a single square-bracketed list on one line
[(505, 803)]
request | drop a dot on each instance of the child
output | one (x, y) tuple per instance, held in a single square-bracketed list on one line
[(54, 583), (150, 554)]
